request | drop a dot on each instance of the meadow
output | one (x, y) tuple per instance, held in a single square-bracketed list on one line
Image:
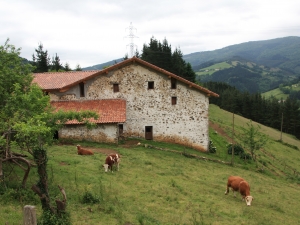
[(163, 183)]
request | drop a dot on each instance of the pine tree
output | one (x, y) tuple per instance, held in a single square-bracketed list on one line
[(56, 65), (67, 67), (41, 60), (160, 54), (78, 68)]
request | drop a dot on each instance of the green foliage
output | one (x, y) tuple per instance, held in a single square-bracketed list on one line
[(269, 112), (252, 139), (19, 195), (90, 198), (41, 60), (56, 65), (160, 54), (211, 147), (49, 218), (237, 149), (67, 67), (78, 68)]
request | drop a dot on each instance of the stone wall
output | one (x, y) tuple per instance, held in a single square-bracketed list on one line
[(107, 133), (185, 123)]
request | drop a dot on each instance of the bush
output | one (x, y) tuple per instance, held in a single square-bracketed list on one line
[(88, 197), (212, 148), (238, 150), (48, 218)]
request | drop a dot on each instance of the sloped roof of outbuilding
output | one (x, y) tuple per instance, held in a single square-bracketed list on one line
[(108, 110), (62, 81)]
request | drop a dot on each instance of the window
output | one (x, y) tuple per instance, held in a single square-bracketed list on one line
[(174, 100), (151, 85), (81, 87), (173, 83), (116, 87)]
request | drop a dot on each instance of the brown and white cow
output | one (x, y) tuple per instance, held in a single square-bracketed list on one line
[(82, 151), (112, 159), (237, 183)]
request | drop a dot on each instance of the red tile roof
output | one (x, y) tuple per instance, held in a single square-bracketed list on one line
[(109, 110), (58, 80)]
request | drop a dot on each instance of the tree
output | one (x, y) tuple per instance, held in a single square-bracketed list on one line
[(26, 112), (125, 57), (136, 54), (78, 68), (56, 65), (67, 67), (41, 60), (160, 54), (252, 139)]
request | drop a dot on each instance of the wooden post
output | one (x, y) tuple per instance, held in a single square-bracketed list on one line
[(232, 146), (281, 127), (29, 215)]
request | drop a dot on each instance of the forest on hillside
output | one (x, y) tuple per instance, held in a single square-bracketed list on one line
[(279, 114)]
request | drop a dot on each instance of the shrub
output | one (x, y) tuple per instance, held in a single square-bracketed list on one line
[(212, 148), (238, 149), (88, 197), (48, 218)]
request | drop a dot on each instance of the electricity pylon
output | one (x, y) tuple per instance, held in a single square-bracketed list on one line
[(131, 36)]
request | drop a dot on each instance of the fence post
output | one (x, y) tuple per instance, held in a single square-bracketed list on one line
[(29, 215)]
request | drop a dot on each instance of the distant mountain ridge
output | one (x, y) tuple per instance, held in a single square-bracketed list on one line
[(283, 53), (255, 66), (102, 65)]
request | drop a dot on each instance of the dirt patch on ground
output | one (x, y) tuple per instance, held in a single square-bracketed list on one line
[(220, 131)]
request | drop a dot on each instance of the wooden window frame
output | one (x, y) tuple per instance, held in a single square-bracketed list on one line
[(174, 100), (116, 87)]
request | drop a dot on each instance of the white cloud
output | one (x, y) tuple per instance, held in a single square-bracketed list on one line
[(92, 32)]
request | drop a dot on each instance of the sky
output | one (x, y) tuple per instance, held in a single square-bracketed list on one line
[(92, 32)]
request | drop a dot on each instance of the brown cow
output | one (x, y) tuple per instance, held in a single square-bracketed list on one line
[(239, 184), (82, 151), (110, 161)]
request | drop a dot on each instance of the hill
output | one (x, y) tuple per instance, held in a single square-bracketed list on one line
[(102, 65), (160, 183), (244, 75), (284, 91), (283, 53)]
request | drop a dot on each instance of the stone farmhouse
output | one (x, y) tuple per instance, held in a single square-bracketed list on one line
[(133, 98)]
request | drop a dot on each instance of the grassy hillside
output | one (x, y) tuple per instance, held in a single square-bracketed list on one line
[(278, 93), (158, 184), (244, 75)]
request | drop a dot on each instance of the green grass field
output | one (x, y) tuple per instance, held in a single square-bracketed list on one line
[(277, 93), (164, 187), (211, 69)]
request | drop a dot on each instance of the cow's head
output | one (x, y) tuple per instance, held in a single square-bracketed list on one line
[(105, 167), (248, 200)]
